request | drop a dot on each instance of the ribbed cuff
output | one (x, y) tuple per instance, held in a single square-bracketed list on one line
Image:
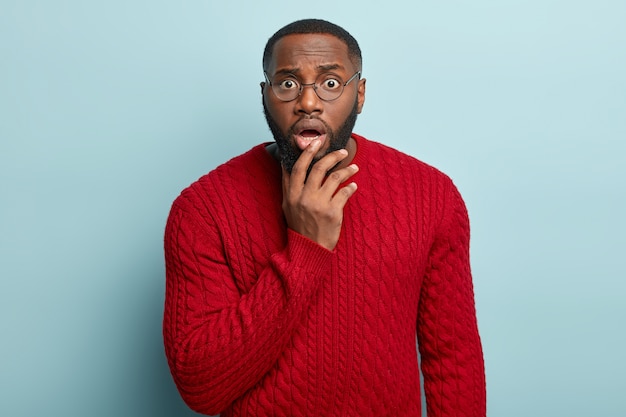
[(309, 256), (301, 264)]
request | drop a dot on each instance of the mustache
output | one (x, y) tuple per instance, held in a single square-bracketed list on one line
[(292, 130), (289, 154)]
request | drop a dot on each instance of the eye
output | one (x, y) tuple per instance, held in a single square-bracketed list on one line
[(288, 84), (331, 84)]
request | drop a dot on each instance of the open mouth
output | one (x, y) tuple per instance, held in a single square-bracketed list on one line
[(304, 137), (310, 134), (307, 130)]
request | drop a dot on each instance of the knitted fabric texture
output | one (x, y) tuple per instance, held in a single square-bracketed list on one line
[(261, 321)]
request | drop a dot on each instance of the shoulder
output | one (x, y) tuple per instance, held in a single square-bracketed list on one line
[(396, 171), (232, 178), (385, 159)]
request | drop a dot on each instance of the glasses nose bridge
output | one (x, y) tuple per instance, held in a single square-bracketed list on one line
[(312, 85)]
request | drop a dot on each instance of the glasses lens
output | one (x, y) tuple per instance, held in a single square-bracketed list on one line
[(329, 87), (286, 89)]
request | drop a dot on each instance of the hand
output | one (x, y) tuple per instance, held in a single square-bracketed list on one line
[(315, 208)]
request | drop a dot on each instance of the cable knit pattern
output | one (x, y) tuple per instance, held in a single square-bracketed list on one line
[(261, 321)]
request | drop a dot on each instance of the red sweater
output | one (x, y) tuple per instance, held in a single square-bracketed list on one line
[(261, 321)]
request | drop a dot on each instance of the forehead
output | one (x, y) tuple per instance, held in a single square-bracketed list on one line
[(309, 51)]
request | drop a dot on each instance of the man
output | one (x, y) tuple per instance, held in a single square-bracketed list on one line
[(290, 292)]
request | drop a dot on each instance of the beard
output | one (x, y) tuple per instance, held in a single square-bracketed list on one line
[(289, 152)]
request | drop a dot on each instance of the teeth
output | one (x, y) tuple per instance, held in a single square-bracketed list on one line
[(310, 138)]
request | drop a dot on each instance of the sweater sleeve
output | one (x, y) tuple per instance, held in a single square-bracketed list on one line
[(218, 341), (450, 347)]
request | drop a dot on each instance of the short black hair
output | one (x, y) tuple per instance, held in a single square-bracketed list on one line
[(306, 26)]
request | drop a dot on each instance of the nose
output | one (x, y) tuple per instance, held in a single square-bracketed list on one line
[(308, 101)]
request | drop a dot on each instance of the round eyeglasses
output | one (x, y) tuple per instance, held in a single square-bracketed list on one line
[(327, 87)]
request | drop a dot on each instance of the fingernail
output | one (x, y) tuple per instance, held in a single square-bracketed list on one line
[(343, 151), (315, 143), (354, 167)]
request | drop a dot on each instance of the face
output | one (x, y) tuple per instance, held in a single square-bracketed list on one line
[(294, 124)]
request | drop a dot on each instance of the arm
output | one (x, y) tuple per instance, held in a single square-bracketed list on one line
[(452, 359), (220, 343)]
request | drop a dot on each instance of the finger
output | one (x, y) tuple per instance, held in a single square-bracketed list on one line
[(331, 185), (339, 176), (300, 168), (321, 167), (343, 194)]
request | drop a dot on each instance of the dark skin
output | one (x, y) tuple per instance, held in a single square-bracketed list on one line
[(313, 205)]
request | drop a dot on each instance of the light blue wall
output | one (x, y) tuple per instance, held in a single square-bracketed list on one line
[(108, 109)]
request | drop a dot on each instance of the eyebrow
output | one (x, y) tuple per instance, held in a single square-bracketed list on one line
[(297, 71)]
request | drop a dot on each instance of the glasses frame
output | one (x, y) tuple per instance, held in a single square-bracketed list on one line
[(314, 85)]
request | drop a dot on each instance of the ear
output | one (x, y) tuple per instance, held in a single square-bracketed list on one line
[(361, 95)]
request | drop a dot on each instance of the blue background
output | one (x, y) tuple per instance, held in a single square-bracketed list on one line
[(109, 109)]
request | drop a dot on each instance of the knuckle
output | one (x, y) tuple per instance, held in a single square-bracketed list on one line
[(296, 168), (335, 176), (305, 200), (346, 191), (292, 204), (329, 218), (319, 167)]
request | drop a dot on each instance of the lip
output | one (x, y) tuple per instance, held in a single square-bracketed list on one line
[(308, 124)]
